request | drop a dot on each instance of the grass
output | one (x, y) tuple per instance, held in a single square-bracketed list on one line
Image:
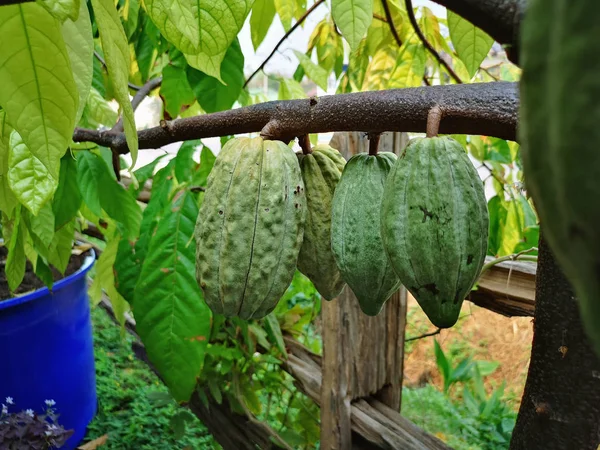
[(126, 411)]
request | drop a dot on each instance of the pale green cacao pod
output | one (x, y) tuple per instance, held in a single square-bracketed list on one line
[(434, 224), (249, 228), (560, 136), (321, 171), (355, 231)]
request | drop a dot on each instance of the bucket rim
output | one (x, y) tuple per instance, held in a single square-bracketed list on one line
[(42, 292)]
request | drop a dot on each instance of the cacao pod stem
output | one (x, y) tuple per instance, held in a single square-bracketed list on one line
[(373, 143), (434, 117), (304, 142)]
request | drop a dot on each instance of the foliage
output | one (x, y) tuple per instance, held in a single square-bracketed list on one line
[(28, 430), (63, 64)]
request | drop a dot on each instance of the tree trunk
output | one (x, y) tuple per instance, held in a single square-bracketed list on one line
[(560, 408)]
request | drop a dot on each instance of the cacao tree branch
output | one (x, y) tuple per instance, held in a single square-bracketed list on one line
[(426, 43), (283, 39), (498, 18), (489, 109)]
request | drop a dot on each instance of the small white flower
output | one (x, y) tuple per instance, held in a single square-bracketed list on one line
[(9, 401), (52, 427), (48, 433), (50, 403), (29, 412), (4, 409)]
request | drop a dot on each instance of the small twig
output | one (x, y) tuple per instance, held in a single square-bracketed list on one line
[(282, 40), (432, 333), (135, 87), (490, 74), (373, 143), (304, 142), (380, 18), (434, 118), (426, 43), (287, 410), (522, 256)]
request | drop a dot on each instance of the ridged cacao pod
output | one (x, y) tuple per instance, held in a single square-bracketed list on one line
[(355, 231), (321, 171), (249, 228), (434, 224), (560, 136)]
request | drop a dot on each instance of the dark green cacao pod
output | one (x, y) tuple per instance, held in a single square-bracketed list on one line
[(321, 171), (559, 132), (355, 231), (434, 224), (249, 228)]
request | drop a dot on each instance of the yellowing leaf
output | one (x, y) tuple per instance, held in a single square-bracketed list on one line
[(116, 52), (285, 9), (28, 177), (37, 89), (471, 43), (80, 46), (353, 18)]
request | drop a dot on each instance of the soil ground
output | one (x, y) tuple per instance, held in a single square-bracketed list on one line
[(479, 333)]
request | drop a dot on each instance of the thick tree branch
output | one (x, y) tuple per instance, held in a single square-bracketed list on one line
[(413, 21), (499, 18), (489, 109), (282, 40)]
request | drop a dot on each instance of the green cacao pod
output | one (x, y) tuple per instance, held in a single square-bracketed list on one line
[(434, 224), (321, 171), (560, 136), (249, 228), (355, 231)]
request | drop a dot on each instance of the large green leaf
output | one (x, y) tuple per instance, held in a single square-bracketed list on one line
[(80, 46), (145, 49), (203, 29), (38, 91), (409, 67), (28, 177), (207, 161), (15, 261), (353, 18), (214, 96), (263, 12), (175, 89), (127, 268), (184, 164), (98, 112), (471, 43), (104, 277), (63, 9), (285, 9), (315, 72), (59, 252), (67, 199), (130, 13), (90, 174), (42, 225), (171, 316), (8, 201), (116, 53)]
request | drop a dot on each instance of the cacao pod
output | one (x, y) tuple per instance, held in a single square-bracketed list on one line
[(434, 224), (321, 171), (355, 231), (249, 228), (560, 136)]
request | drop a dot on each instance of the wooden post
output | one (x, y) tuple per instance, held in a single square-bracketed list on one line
[(362, 356)]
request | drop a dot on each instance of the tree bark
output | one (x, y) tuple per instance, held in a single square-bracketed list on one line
[(560, 408)]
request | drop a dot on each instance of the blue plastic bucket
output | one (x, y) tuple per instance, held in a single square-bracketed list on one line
[(47, 352)]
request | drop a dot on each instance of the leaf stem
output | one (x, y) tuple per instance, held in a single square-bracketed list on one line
[(522, 256)]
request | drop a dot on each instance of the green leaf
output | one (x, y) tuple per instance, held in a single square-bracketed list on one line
[(442, 363), (212, 95), (67, 198), (130, 13), (207, 161), (497, 212), (409, 68), (104, 276), (63, 9), (215, 391), (290, 89), (175, 89), (513, 227), (59, 251), (431, 29), (38, 91), (263, 12), (43, 272), (97, 111), (42, 225), (285, 9), (471, 43), (184, 164), (171, 316), (353, 18), (90, 174), (98, 78), (8, 201), (28, 177), (127, 268), (178, 21), (145, 50), (274, 331), (77, 34), (15, 261), (316, 73), (116, 53)]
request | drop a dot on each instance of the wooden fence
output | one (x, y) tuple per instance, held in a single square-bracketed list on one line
[(358, 380)]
